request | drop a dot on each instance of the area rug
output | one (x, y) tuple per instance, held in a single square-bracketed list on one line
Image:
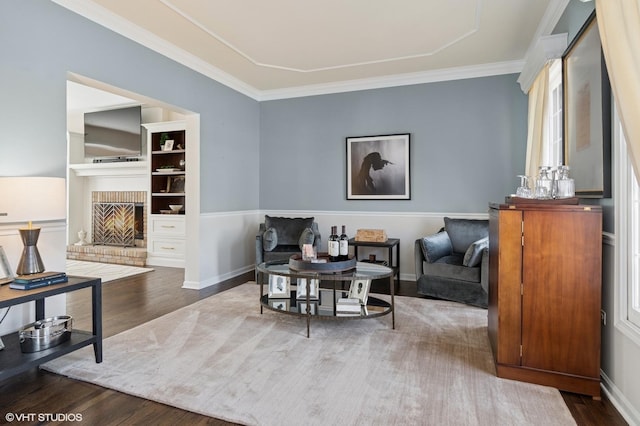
[(220, 357), (106, 271)]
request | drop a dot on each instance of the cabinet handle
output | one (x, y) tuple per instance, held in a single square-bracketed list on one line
[(168, 248), (168, 226)]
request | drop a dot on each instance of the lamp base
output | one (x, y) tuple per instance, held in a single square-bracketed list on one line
[(30, 261)]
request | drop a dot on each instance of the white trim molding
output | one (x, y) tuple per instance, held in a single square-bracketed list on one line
[(534, 59), (446, 74), (545, 49)]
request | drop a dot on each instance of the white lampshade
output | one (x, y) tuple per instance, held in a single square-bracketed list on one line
[(25, 199)]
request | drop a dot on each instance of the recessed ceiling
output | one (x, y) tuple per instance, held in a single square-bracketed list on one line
[(283, 44)]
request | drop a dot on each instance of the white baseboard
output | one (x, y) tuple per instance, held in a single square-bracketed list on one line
[(622, 404)]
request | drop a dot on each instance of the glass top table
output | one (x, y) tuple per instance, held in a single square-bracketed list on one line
[(314, 293)]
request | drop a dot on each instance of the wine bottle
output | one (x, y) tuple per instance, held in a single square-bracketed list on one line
[(334, 245), (344, 244)]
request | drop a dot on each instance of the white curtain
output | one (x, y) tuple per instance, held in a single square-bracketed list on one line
[(538, 94), (619, 27)]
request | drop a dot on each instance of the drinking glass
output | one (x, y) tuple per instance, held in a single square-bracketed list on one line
[(523, 190)]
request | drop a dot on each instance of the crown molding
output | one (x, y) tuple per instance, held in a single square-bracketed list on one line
[(445, 74), (113, 22)]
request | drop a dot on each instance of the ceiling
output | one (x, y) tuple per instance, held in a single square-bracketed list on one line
[(284, 46)]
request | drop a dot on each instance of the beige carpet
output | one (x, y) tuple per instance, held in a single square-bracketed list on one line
[(221, 358), (106, 271)]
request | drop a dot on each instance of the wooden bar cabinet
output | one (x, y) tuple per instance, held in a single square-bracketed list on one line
[(545, 278)]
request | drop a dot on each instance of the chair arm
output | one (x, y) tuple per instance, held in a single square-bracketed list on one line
[(418, 258), (259, 251)]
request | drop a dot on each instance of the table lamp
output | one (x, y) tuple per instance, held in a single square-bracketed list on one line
[(31, 199)]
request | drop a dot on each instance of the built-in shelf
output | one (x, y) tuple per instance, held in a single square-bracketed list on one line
[(125, 168)]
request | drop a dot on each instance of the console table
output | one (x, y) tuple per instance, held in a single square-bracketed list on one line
[(13, 361)]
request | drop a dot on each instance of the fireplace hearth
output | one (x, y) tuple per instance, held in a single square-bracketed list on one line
[(118, 229)]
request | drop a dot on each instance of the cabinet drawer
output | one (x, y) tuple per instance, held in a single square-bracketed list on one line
[(168, 247), (168, 226)]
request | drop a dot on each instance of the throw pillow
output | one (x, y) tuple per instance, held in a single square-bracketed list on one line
[(269, 239), (463, 232), (435, 246), (289, 229), (473, 255), (307, 237)]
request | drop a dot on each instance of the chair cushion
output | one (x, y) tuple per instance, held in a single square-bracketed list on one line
[(269, 239), (288, 229), (307, 237), (473, 255), (435, 246), (464, 232), (451, 267)]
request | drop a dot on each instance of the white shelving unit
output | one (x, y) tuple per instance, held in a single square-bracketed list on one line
[(166, 231)]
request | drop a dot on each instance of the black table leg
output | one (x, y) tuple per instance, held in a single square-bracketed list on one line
[(393, 307), (39, 309), (96, 299)]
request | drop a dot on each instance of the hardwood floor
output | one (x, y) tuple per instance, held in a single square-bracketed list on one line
[(132, 301)]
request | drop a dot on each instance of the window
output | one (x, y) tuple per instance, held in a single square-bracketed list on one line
[(633, 286), (552, 145), (627, 237)]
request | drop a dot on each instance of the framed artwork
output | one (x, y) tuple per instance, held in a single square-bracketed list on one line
[(301, 288), (168, 145), (280, 304), (175, 184), (587, 113), (279, 286), (378, 167), (360, 290), (6, 275)]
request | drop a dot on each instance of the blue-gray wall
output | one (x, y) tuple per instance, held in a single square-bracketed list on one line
[(40, 42), (468, 142), (468, 136)]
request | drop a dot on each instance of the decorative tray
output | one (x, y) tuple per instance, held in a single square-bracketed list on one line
[(517, 200), (325, 265)]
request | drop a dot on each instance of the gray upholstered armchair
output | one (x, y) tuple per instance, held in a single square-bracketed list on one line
[(280, 237), (454, 263)]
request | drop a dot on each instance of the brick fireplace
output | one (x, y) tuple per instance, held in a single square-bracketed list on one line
[(119, 229)]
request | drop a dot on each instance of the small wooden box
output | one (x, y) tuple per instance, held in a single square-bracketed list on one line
[(371, 235)]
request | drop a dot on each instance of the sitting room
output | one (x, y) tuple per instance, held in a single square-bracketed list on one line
[(271, 135)]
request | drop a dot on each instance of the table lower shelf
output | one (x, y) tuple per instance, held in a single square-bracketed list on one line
[(13, 361), (375, 307)]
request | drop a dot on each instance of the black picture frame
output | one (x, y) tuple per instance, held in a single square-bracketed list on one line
[(587, 113), (378, 167)]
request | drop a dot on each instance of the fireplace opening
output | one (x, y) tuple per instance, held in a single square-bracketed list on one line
[(139, 221)]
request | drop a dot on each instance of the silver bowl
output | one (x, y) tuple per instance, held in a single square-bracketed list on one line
[(45, 334)]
